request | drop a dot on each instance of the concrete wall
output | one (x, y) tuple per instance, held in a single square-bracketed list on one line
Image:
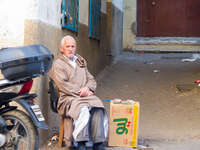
[(12, 23), (115, 26), (129, 24)]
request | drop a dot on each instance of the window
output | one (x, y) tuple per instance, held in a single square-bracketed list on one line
[(70, 14), (94, 18)]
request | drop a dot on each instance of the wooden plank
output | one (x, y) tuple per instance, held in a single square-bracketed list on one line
[(61, 133)]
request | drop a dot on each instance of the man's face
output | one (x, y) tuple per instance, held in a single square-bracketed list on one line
[(68, 48)]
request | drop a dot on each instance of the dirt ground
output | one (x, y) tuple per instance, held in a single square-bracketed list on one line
[(169, 118)]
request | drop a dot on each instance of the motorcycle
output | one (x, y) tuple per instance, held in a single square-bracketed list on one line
[(19, 127)]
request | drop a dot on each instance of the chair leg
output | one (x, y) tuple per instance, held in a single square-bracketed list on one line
[(61, 133)]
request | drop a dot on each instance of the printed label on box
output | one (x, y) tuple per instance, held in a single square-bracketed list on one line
[(123, 124)]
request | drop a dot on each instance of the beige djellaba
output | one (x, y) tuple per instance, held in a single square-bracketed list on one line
[(69, 80)]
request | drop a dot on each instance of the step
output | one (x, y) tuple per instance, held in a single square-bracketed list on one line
[(167, 44)]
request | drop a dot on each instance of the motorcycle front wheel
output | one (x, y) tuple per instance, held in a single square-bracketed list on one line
[(22, 134)]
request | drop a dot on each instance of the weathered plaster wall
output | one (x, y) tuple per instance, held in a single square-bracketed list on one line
[(38, 32), (117, 27), (49, 12), (129, 24), (12, 24), (84, 9)]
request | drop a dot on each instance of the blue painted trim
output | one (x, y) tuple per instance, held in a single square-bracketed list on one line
[(90, 18), (77, 19), (94, 18), (70, 27), (63, 12), (72, 7)]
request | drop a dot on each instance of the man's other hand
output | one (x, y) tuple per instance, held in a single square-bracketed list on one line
[(85, 91), (90, 93)]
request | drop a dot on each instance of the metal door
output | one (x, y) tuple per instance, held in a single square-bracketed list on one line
[(168, 18)]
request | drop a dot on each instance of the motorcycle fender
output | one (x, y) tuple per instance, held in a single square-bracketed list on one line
[(27, 107)]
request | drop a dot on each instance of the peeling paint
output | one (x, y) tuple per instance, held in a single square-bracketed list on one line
[(129, 24)]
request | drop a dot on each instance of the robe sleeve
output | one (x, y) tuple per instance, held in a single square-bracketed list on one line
[(91, 83), (58, 74)]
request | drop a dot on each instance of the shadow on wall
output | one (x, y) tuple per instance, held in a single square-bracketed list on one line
[(134, 28), (117, 27)]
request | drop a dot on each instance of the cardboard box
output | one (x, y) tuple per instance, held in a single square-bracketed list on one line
[(123, 123)]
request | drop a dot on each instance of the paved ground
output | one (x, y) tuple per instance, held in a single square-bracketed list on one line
[(169, 118)]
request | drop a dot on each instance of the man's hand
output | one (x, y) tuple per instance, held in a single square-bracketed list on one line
[(85, 91)]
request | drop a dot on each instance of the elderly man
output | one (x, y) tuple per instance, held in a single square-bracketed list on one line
[(85, 116)]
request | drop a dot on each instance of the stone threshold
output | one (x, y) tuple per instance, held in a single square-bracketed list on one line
[(163, 49), (128, 148), (168, 40)]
